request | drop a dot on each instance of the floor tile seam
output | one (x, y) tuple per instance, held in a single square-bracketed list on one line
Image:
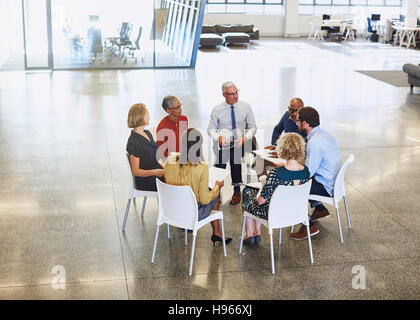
[(269, 269), (67, 283), (116, 219)]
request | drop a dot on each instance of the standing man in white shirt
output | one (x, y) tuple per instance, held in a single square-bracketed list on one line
[(231, 140)]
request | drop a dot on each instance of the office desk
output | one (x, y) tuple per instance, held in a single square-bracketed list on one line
[(345, 27), (405, 36)]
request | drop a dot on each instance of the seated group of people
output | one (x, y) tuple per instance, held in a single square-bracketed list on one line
[(308, 151)]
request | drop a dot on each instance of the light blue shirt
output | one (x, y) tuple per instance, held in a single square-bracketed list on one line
[(221, 121), (323, 157)]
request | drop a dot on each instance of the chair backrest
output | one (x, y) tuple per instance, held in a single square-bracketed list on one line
[(137, 42), (289, 205), (133, 179), (369, 26), (125, 30), (339, 190), (177, 205)]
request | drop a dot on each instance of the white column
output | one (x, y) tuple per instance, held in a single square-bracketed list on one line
[(409, 9), (291, 18)]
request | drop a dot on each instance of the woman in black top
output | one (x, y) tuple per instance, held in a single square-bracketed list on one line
[(142, 150)]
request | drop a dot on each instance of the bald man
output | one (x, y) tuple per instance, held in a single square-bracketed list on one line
[(287, 122)]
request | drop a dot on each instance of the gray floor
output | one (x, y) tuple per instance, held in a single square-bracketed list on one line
[(64, 180)]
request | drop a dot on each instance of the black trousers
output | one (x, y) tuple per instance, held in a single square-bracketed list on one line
[(234, 157)]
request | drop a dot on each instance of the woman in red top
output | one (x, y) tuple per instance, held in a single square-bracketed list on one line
[(171, 127)]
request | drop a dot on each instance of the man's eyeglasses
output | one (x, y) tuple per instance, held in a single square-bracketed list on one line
[(176, 108), (291, 110), (232, 94), (297, 120)]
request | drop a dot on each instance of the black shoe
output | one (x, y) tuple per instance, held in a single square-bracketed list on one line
[(215, 239), (249, 241)]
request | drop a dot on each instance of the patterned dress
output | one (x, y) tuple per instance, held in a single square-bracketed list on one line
[(277, 176)]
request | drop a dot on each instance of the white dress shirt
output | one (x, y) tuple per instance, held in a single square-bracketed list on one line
[(221, 121)]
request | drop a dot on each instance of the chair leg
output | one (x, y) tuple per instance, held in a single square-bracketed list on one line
[(339, 225), (272, 252), (186, 237), (127, 209), (144, 206), (347, 212), (293, 228), (169, 233), (309, 242), (192, 255), (155, 245), (279, 236), (242, 235), (223, 237)]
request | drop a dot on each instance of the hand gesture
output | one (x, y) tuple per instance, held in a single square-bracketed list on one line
[(159, 172)]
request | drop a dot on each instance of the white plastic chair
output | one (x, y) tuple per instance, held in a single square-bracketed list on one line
[(288, 206), (134, 193), (178, 207), (339, 193)]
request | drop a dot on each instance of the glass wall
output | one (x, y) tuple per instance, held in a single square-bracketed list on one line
[(245, 6), (179, 31), (78, 34), (11, 34), (386, 8)]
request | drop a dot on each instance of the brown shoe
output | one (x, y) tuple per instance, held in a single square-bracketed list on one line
[(236, 198), (319, 214), (302, 234)]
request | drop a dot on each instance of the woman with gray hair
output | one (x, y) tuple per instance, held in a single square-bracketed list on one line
[(171, 127)]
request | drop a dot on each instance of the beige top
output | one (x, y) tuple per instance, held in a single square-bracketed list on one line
[(195, 176)]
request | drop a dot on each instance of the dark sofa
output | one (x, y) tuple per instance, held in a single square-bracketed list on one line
[(223, 34), (413, 72)]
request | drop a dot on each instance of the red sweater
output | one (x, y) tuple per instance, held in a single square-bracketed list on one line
[(172, 139)]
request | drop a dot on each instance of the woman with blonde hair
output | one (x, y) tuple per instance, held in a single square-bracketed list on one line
[(142, 149), (189, 169), (291, 148)]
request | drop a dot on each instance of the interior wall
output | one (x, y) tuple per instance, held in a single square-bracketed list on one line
[(11, 32), (269, 24)]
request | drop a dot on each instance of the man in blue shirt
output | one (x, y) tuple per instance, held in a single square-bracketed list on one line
[(287, 123), (323, 159)]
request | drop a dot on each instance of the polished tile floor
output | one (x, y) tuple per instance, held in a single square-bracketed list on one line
[(64, 180)]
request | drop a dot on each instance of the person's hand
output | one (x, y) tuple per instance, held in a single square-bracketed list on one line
[(159, 172), (239, 142), (261, 200), (223, 141), (220, 183), (270, 147)]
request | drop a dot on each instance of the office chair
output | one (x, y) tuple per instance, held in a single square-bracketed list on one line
[(133, 46), (329, 29), (369, 28), (94, 42)]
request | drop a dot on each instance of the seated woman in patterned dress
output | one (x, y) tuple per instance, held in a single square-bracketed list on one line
[(290, 147)]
